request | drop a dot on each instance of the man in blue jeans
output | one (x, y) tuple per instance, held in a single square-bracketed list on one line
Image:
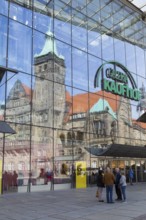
[(109, 182)]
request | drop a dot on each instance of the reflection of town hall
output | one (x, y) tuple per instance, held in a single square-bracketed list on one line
[(70, 124), (48, 107)]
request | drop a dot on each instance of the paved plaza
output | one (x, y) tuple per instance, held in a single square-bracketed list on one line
[(79, 204)]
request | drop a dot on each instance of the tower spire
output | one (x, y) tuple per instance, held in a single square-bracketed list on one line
[(50, 44)]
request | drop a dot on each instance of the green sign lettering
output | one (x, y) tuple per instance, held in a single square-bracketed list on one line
[(116, 81)]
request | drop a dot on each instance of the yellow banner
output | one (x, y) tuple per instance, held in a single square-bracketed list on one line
[(0, 176), (81, 174)]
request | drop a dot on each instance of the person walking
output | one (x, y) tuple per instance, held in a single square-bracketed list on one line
[(109, 182), (100, 185), (131, 176), (123, 185), (117, 184)]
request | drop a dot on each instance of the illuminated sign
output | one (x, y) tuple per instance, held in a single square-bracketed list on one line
[(117, 79)]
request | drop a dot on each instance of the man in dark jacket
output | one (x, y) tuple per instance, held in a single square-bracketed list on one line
[(117, 184)]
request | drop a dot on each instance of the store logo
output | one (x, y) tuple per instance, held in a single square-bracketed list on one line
[(117, 79)]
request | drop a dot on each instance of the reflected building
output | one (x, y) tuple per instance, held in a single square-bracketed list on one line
[(48, 102), (48, 97), (80, 66), (141, 107)]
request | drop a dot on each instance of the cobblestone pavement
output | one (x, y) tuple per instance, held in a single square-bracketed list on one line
[(73, 204), (142, 217)]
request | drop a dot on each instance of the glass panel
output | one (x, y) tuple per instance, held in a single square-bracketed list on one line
[(4, 7), (42, 159), (48, 62), (2, 96), (62, 63), (130, 57), (3, 39), (80, 108), (42, 21), (94, 39), (67, 122), (17, 160), (63, 159), (21, 14), (140, 60), (94, 64), (62, 29), (141, 105), (42, 108), (59, 104), (80, 70), (79, 33), (107, 48), (119, 47), (19, 53), (117, 13), (18, 98), (63, 75), (124, 121), (2, 157), (106, 16), (93, 7)]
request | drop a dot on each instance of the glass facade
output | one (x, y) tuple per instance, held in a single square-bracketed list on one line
[(57, 46)]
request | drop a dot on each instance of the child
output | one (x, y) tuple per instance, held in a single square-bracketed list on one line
[(123, 185)]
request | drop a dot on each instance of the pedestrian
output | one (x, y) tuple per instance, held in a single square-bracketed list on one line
[(100, 185), (117, 184), (123, 185), (131, 176), (109, 180)]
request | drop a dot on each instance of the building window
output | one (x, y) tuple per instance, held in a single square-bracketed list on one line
[(100, 128), (62, 138)]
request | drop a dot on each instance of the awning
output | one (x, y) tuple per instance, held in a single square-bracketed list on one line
[(5, 128), (4, 69), (142, 118), (119, 150)]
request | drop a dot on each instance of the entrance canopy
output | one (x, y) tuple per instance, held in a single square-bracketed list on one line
[(5, 128), (119, 150)]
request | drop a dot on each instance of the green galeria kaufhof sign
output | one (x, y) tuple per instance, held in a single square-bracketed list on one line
[(116, 78)]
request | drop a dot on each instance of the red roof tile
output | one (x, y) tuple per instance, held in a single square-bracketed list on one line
[(84, 102)]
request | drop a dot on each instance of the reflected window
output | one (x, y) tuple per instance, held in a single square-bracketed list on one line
[(21, 166), (80, 136), (69, 138), (62, 138), (100, 127), (10, 166)]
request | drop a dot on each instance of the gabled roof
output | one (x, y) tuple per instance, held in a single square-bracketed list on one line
[(84, 102), (27, 90), (101, 105)]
